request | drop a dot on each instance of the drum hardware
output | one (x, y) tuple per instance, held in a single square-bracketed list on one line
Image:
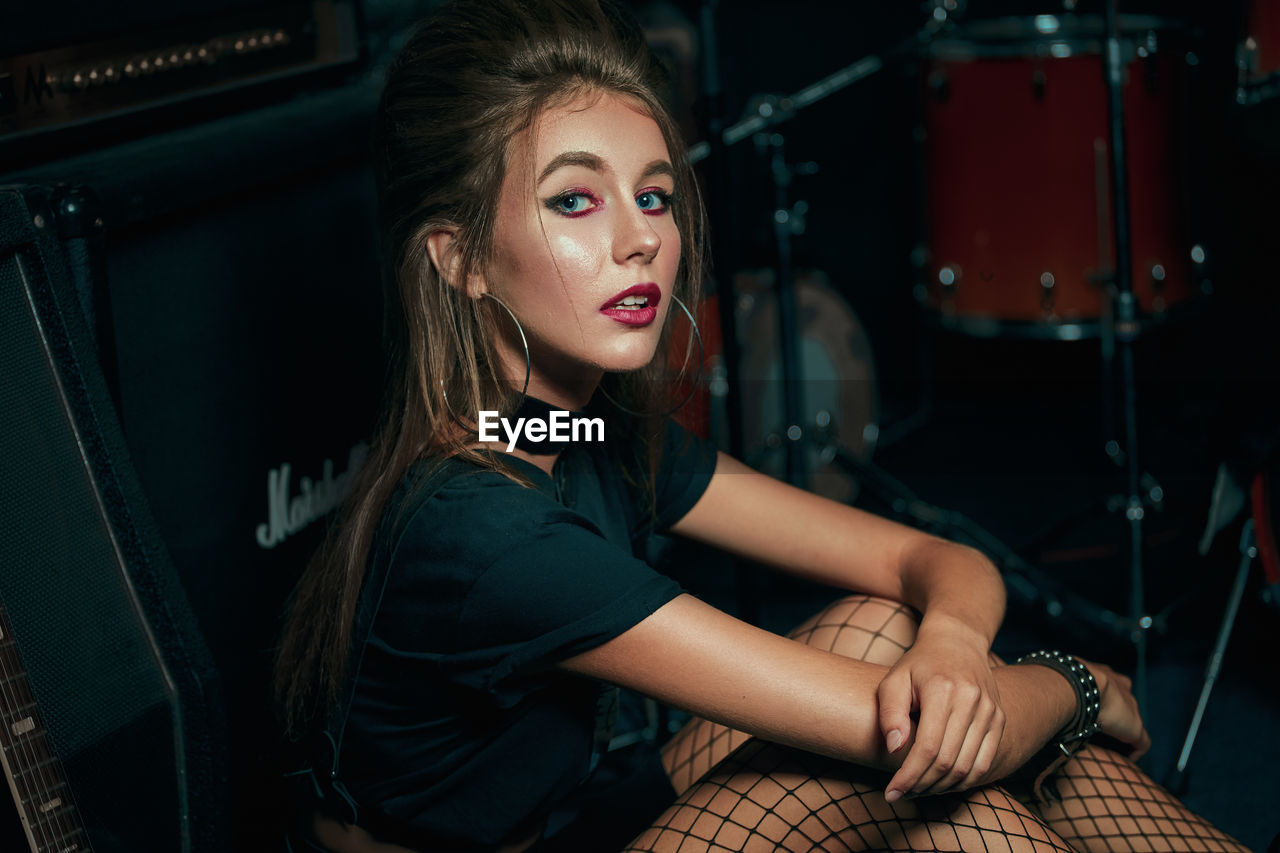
[(718, 206), (819, 438), (1258, 54), (1124, 271), (1124, 308), (1177, 778), (822, 433), (1230, 499), (1027, 584), (766, 113), (1046, 295), (838, 394)]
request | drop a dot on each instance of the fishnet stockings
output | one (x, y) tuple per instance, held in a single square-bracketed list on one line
[(1109, 804), (767, 797), (737, 793)]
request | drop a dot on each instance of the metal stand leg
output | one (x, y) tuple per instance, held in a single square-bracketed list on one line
[(1177, 778)]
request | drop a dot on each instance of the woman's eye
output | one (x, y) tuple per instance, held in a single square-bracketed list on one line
[(653, 201), (573, 203)]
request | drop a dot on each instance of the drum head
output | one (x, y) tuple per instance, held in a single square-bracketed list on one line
[(839, 402)]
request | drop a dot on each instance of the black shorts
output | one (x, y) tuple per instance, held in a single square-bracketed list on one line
[(628, 791)]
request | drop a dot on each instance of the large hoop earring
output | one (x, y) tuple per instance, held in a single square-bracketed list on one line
[(697, 335), (528, 362)]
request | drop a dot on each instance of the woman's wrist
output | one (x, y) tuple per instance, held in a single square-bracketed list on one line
[(1038, 704), (952, 629), (1083, 724)]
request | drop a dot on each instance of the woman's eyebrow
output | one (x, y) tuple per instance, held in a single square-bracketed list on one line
[(572, 158), (658, 167), (591, 161)]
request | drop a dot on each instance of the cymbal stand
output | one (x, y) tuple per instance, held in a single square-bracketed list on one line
[(718, 210), (788, 319), (718, 139), (1126, 332), (768, 113)]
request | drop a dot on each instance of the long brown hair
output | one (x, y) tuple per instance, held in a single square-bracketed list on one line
[(469, 79)]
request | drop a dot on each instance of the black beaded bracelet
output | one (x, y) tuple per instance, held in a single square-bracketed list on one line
[(1084, 722)]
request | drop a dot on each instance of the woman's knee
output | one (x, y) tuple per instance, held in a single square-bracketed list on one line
[(865, 627)]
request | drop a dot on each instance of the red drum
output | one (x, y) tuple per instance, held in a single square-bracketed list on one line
[(1258, 56), (1017, 173)]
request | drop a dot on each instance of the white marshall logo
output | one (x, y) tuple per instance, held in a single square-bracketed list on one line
[(287, 514)]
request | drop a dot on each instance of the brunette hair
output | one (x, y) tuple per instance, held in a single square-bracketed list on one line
[(470, 78)]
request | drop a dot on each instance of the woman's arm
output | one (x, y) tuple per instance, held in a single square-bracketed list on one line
[(755, 516), (946, 675), (692, 656)]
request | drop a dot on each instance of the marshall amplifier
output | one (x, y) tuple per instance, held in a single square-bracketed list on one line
[(230, 274), (113, 733)]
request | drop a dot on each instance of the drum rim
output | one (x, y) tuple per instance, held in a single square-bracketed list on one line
[(988, 326), (1017, 36)]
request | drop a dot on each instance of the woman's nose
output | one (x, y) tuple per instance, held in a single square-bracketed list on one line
[(636, 237)]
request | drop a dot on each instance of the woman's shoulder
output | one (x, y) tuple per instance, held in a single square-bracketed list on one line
[(461, 505)]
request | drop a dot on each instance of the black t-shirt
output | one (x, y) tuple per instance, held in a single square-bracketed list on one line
[(461, 730)]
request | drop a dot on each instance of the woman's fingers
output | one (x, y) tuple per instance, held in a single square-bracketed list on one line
[(1119, 716), (930, 730), (980, 733), (986, 757), (953, 723), (894, 700)]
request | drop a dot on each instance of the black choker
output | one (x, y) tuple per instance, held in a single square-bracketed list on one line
[(533, 410)]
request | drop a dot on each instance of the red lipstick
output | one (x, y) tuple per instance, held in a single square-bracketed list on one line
[(642, 305)]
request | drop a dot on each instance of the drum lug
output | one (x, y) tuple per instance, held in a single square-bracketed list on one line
[(949, 279), (1046, 293), (1157, 288)]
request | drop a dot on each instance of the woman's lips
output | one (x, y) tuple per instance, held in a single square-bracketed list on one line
[(644, 309)]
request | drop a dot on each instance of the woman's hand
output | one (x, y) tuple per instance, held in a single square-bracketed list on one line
[(947, 677), (1119, 716)]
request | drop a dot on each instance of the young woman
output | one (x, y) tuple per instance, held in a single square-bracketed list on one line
[(449, 660)]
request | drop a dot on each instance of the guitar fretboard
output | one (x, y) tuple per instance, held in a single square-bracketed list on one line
[(36, 779)]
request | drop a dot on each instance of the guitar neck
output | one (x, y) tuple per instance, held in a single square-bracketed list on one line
[(36, 778)]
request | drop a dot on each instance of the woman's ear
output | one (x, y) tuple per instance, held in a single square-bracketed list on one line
[(442, 247)]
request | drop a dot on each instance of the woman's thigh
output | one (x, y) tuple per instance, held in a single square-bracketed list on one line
[(1102, 801), (766, 797)]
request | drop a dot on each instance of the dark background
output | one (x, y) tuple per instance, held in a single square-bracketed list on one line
[(242, 286)]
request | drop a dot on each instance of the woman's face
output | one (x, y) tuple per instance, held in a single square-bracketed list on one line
[(585, 245)]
